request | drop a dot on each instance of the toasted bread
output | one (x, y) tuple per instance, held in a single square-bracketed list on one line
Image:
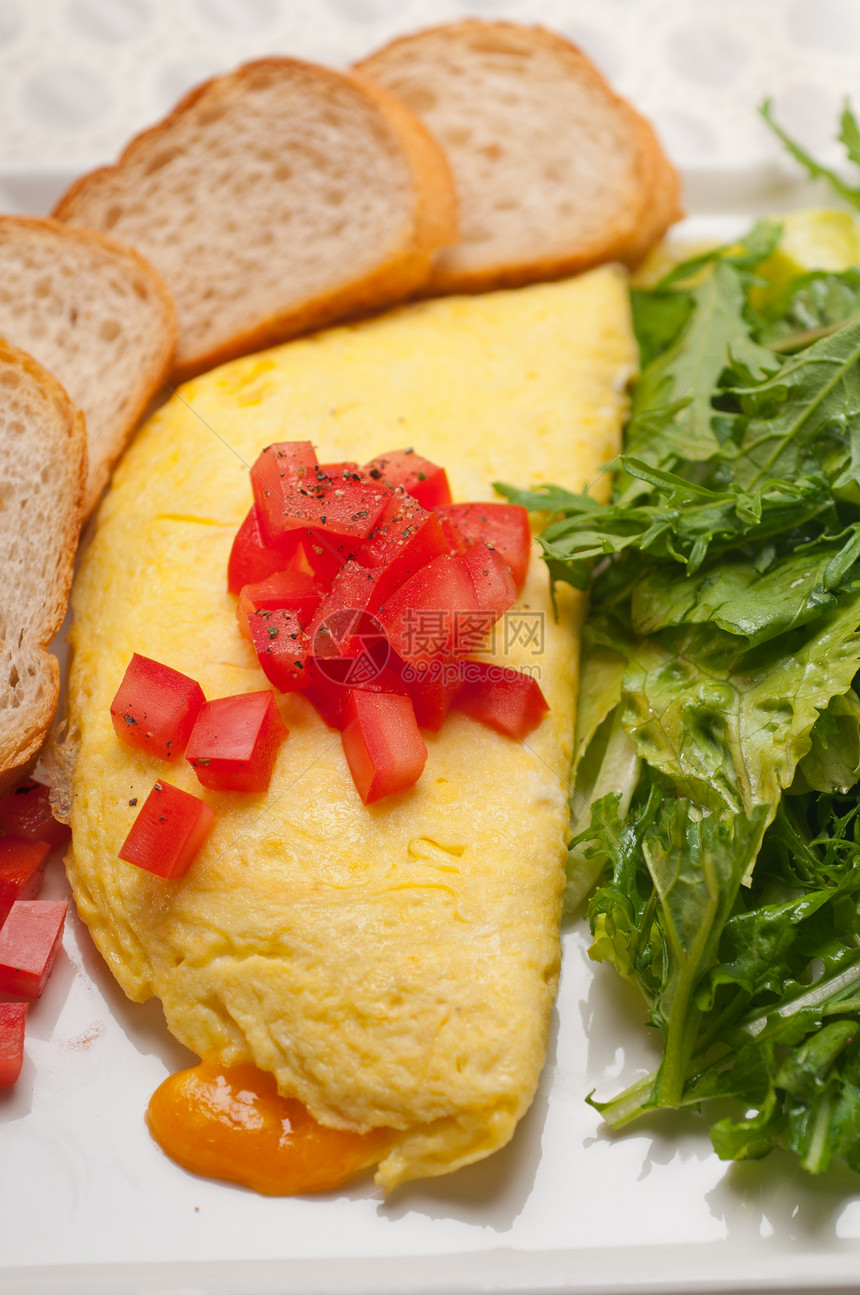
[(42, 475), (554, 171), (273, 200), (98, 317)]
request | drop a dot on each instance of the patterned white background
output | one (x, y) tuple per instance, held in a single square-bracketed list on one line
[(78, 77)]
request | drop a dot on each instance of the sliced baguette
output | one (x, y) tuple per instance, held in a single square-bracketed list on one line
[(554, 171), (98, 317), (42, 475), (273, 200)]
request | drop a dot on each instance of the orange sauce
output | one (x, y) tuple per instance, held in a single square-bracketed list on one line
[(232, 1123)]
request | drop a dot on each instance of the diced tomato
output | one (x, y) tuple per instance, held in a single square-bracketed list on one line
[(291, 495), (453, 538), (168, 831), (383, 747), (503, 527), (235, 742), (252, 559), (347, 469), (278, 471), (26, 813), (343, 626), (29, 940), (405, 538), (329, 694), (298, 591), (155, 707), (502, 698), (12, 1019), (22, 870), (422, 617), (432, 685), (281, 646), (420, 478), (495, 592)]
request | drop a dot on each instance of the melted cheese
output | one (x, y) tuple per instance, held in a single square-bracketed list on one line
[(392, 966)]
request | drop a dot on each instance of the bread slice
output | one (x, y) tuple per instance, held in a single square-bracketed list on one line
[(98, 317), (273, 200), (42, 474), (554, 171)]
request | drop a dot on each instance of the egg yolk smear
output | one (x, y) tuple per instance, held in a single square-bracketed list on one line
[(233, 1123)]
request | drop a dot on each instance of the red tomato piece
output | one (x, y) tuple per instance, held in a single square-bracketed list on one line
[(344, 625), (22, 870), (168, 831), (298, 591), (503, 527), (420, 478), (327, 552), (405, 538), (432, 685), (12, 1019), (347, 469), (155, 707), (456, 543), (502, 698), (291, 495), (422, 617), (252, 559), (235, 742), (29, 940), (383, 747), (329, 694), (281, 646), (26, 813), (278, 471), (494, 593)]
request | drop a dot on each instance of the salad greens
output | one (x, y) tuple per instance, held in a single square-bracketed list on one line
[(715, 796)]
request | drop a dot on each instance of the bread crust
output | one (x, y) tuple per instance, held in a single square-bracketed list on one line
[(149, 375), (431, 222), (19, 748), (653, 204)]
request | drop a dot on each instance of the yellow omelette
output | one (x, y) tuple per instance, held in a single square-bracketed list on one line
[(391, 965)]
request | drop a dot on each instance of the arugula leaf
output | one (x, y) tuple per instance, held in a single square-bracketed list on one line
[(848, 135), (796, 422)]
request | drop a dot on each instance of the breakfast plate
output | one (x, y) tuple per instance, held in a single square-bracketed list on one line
[(88, 1203)]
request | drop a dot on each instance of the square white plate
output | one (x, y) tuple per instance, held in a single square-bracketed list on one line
[(89, 1204)]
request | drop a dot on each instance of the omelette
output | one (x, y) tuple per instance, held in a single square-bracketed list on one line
[(394, 965)]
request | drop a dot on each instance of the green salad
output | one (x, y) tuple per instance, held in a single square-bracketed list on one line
[(715, 795)]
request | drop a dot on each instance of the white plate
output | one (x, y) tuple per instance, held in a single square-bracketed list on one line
[(88, 1203)]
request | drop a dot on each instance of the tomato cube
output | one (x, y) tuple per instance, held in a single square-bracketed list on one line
[(383, 747), (344, 626), (432, 685), (278, 471), (12, 1019), (329, 688), (297, 591), (347, 469), (405, 538), (29, 940), (281, 646), (22, 870), (252, 559), (422, 618), (503, 527), (26, 813), (168, 831), (502, 698), (419, 477), (495, 592), (155, 707), (235, 742), (291, 494)]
